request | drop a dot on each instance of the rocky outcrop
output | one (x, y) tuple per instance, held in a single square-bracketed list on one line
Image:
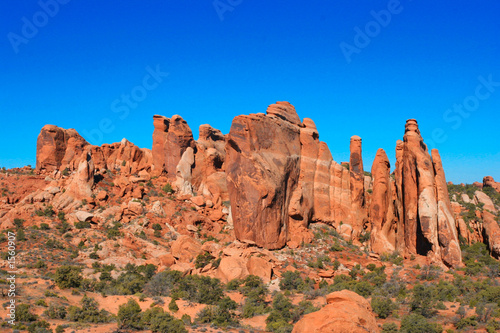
[(262, 166), (447, 231), (345, 311), (171, 138), (357, 182), (383, 222), (57, 148), (79, 185), (492, 234), (426, 225), (488, 181)]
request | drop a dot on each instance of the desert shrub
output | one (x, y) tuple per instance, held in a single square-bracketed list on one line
[(382, 306), (48, 211), (466, 322), (163, 283), (221, 315), (129, 315), (291, 281), (18, 223), (415, 323), (20, 235), (255, 291), (39, 327), (23, 313), (422, 301), (159, 321), (44, 226), (167, 188), (82, 225), (88, 312), (429, 273), (389, 328), (200, 289), (279, 320), (203, 259), (68, 277), (172, 306), (55, 312), (41, 302)]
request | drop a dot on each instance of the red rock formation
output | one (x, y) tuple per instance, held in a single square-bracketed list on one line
[(57, 148), (383, 234), (262, 166), (492, 233), (488, 181), (345, 311), (357, 182), (171, 138), (447, 231), (426, 225)]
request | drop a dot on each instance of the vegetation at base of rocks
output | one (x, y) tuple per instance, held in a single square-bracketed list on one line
[(284, 314), (130, 316), (88, 312)]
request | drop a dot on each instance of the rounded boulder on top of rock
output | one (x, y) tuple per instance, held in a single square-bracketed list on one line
[(345, 311)]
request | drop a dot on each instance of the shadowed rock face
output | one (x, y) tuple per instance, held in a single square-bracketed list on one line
[(171, 138), (426, 224), (281, 177)]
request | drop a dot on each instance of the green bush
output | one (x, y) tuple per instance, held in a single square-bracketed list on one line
[(82, 225), (55, 312), (291, 281), (423, 301), (200, 289), (466, 322), (279, 320), (129, 315), (203, 259), (159, 321), (382, 306), (389, 328), (23, 313), (88, 312), (220, 315), (68, 277), (415, 323), (172, 306), (167, 188), (39, 327)]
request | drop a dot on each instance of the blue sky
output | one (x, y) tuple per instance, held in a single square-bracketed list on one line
[(356, 68)]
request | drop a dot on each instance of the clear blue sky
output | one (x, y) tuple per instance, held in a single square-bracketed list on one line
[(246, 54)]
